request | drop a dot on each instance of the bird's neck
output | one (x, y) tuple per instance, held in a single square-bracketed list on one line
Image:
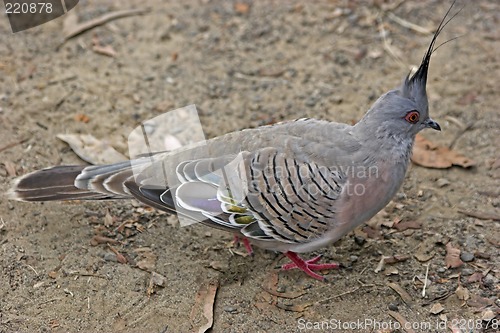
[(395, 149)]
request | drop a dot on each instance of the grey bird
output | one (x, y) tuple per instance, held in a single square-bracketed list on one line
[(292, 187)]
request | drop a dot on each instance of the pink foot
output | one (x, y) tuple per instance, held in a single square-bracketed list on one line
[(308, 266), (248, 246), (246, 243)]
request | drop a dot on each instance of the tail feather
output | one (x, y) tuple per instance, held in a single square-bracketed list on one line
[(56, 183)]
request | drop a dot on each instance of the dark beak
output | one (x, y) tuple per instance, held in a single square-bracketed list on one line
[(432, 124)]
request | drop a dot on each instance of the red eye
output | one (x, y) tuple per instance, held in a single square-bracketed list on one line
[(412, 117)]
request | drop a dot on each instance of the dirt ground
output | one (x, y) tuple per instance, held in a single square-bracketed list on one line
[(245, 66)]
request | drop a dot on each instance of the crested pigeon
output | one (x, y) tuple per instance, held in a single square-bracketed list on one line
[(291, 187)]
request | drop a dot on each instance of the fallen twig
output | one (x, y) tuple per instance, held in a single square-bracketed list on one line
[(425, 280), (481, 215), (82, 27), (339, 295), (120, 257), (13, 144), (408, 24), (388, 47)]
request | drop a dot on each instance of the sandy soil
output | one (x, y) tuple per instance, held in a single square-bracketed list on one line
[(244, 68)]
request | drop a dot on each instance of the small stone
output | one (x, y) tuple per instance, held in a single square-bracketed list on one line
[(442, 182), (359, 240), (467, 256), (467, 272), (311, 101), (230, 309), (393, 307), (108, 256), (400, 196), (441, 270), (337, 99), (353, 258), (218, 265), (281, 289)]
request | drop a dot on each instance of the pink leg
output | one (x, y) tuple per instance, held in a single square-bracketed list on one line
[(246, 243), (248, 246), (236, 240), (308, 266)]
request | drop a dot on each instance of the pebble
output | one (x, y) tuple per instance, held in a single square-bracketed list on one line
[(467, 272), (353, 258), (442, 182), (467, 256), (441, 270), (359, 240), (393, 307), (311, 101), (400, 196), (337, 99), (230, 309), (110, 257)]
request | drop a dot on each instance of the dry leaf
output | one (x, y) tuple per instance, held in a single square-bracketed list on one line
[(92, 150), (218, 265), (431, 155), (371, 233), (158, 279), (402, 321), (452, 258), (462, 293), (425, 251), (478, 276), (391, 271), (108, 219), (476, 301), (402, 226), (437, 308), (488, 315), (401, 292), (106, 50), (148, 259), (204, 305), (155, 280)]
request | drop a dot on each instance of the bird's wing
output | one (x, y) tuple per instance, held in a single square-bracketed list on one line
[(264, 194)]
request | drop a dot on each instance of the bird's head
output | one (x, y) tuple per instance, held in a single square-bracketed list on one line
[(404, 111)]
